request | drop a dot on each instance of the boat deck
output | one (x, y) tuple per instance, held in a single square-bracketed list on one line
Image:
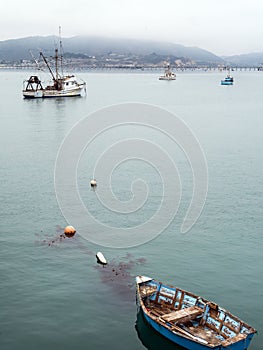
[(183, 314), (181, 321)]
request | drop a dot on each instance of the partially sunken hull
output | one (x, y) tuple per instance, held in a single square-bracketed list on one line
[(189, 320)]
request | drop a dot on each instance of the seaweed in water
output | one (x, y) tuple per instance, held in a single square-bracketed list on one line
[(52, 240), (118, 275)]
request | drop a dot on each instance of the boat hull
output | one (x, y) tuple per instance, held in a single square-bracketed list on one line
[(165, 78), (185, 343), (52, 93), (189, 344), (226, 82)]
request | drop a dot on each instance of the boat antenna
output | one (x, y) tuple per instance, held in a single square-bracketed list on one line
[(61, 51)]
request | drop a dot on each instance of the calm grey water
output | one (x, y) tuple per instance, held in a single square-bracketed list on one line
[(52, 293)]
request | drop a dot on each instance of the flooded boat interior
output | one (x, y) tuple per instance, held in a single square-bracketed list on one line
[(192, 316)]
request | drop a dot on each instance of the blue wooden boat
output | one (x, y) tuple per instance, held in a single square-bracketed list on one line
[(188, 320)]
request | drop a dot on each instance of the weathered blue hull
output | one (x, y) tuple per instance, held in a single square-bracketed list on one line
[(150, 338), (191, 345), (185, 343), (188, 320)]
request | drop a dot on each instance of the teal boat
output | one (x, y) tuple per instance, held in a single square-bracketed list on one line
[(228, 80)]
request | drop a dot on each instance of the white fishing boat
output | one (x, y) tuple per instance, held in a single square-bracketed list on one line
[(60, 86), (168, 75)]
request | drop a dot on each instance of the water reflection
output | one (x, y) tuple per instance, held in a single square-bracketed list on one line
[(151, 339)]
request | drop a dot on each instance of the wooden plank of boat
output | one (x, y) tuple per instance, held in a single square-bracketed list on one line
[(178, 330), (183, 314), (188, 334)]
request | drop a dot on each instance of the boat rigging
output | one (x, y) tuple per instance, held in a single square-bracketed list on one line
[(61, 86)]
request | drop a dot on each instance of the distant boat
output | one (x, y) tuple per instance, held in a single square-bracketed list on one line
[(168, 75), (228, 79), (61, 85), (189, 320)]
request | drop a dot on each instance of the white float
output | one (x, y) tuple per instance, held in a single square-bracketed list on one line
[(93, 183), (101, 259)]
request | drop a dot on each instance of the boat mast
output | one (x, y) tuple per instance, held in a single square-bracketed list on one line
[(56, 63), (61, 50)]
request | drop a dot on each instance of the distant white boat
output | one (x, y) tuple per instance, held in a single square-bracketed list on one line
[(61, 85), (168, 75)]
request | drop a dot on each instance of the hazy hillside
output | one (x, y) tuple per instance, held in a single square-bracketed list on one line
[(251, 59), (93, 46), (17, 49)]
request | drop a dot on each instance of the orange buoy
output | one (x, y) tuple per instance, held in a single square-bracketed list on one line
[(69, 231)]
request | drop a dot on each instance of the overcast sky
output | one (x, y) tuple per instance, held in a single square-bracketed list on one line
[(221, 26)]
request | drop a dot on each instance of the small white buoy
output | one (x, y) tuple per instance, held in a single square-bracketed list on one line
[(93, 183), (101, 259)]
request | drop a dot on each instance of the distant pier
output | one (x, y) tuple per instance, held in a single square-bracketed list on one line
[(130, 67)]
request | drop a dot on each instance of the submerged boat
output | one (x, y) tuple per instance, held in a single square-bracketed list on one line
[(61, 85), (189, 320), (168, 75)]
